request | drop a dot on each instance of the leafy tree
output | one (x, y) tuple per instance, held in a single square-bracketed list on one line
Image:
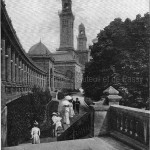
[(120, 58)]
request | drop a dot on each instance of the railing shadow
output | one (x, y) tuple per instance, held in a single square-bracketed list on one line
[(82, 128)]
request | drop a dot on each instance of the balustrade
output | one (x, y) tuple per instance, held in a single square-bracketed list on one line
[(130, 121), (81, 128)]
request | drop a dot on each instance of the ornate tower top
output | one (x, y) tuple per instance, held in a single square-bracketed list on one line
[(66, 5), (66, 26), (81, 30), (82, 39)]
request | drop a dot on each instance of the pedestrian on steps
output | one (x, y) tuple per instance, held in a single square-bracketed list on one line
[(77, 105), (74, 105), (35, 133), (56, 122)]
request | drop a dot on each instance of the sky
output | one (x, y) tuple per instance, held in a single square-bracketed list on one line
[(38, 19)]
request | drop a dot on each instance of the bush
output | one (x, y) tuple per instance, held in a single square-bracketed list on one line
[(23, 112)]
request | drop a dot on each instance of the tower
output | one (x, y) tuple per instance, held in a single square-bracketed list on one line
[(81, 39), (66, 26)]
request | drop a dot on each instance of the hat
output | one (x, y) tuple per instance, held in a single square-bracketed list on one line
[(68, 97), (35, 123), (54, 113)]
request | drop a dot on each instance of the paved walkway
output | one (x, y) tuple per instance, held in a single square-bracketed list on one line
[(84, 144)]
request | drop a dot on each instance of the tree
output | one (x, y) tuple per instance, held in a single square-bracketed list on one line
[(120, 57)]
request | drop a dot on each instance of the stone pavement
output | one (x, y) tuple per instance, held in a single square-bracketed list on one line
[(84, 144)]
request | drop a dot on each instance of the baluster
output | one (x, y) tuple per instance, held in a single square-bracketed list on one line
[(114, 121), (126, 124), (121, 122), (136, 128), (118, 121), (131, 126), (145, 131)]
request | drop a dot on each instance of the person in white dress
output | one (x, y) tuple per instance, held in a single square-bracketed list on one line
[(71, 109), (35, 134), (56, 121), (66, 115)]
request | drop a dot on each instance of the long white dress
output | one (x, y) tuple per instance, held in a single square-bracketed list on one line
[(66, 115), (35, 133), (71, 113), (57, 122)]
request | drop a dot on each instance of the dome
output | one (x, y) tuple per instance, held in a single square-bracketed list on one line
[(39, 49)]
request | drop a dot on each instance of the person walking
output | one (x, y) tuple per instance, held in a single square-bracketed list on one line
[(71, 109), (77, 105), (56, 122), (35, 134), (74, 105), (66, 115)]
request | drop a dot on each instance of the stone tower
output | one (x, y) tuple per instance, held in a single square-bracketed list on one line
[(66, 26), (81, 39)]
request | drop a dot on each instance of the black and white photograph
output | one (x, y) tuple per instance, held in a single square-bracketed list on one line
[(75, 75)]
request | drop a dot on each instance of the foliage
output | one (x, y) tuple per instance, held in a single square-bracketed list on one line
[(120, 58), (23, 112)]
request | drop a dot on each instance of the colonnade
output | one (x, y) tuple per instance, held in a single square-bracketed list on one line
[(17, 73)]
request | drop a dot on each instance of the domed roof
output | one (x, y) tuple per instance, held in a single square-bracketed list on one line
[(39, 49)]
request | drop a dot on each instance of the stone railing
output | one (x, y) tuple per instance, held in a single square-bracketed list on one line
[(82, 128), (130, 125)]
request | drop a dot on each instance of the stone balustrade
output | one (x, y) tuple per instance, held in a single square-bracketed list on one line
[(130, 124), (80, 129)]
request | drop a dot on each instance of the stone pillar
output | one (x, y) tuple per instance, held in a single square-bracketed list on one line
[(4, 127), (101, 119), (27, 75), (53, 79), (17, 71), (23, 73), (3, 61), (9, 64), (13, 66)]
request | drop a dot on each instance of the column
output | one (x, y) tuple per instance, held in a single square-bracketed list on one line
[(17, 71), (13, 66), (27, 75), (23, 73), (9, 64), (3, 61), (53, 78)]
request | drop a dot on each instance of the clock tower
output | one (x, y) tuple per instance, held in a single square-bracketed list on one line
[(66, 26), (81, 39)]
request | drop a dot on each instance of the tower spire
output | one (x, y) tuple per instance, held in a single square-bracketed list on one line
[(81, 39), (66, 26)]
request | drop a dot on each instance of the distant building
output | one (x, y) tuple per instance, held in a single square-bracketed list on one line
[(66, 59)]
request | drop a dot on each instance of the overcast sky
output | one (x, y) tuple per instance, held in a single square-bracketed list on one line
[(35, 19)]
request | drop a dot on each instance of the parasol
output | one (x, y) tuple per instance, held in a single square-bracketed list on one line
[(65, 102), (68, 97)]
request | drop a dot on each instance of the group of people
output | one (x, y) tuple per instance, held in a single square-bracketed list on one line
[(66, 110), (60, 120)]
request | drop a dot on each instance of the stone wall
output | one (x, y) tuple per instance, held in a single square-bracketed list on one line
[(100, 120)]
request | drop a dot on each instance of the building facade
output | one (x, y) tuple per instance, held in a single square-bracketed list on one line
[(20, 71)]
